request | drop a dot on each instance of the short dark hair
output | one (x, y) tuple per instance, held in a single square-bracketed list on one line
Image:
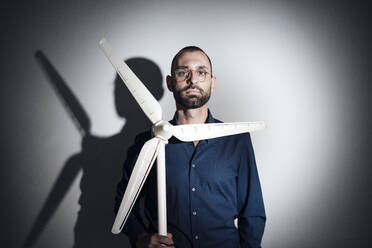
[(184, 50)]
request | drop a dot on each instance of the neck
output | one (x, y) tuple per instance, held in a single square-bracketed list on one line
[(192, 116)]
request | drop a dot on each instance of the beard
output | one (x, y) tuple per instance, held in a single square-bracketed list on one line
[(192, 101)]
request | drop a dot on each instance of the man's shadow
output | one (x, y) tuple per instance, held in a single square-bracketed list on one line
[(100, 159)]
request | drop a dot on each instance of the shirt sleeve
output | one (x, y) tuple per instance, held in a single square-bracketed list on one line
[(251, 218), (134, 225)]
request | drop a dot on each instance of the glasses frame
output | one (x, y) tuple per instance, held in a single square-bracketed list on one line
[(190, 75)]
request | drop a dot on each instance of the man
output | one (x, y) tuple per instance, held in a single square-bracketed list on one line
[(210, 183)]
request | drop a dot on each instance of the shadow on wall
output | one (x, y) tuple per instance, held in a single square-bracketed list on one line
[(100, 159)]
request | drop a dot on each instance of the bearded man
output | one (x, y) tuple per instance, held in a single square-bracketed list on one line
[(214, 196)]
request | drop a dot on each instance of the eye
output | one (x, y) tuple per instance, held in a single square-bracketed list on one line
[(181, 73), (202, 73)]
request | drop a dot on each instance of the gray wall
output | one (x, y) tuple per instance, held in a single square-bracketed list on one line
[(66, 120)]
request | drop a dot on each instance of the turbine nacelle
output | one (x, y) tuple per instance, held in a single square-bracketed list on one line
[(162, 130)]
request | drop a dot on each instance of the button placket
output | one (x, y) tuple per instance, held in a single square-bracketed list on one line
[(192, 196)]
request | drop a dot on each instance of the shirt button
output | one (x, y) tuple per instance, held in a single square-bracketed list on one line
[(193, 165), (193, 189), (194, 213), (196, 237)]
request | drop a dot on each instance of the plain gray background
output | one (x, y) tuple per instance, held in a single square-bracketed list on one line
[(301, 66)]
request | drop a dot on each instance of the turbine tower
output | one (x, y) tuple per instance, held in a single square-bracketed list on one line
[(155, 147)]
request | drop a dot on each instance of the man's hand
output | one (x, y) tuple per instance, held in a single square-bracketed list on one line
[(146, 240)]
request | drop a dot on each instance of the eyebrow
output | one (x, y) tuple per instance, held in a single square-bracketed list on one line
[(186, 67)]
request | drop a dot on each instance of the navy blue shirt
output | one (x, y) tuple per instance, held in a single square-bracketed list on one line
[(208, 186)]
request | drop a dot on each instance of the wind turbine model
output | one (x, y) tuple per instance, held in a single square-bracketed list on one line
[(155, 147)]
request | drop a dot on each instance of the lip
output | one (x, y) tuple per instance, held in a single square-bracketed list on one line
[(192, 91)]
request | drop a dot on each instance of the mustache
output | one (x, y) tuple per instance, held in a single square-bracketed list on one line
[(192, 86)]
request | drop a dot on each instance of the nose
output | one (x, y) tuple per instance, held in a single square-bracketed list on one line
[(193, 77)]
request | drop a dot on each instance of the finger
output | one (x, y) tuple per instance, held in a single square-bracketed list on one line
[(169, 235), (165, 240), (168, 246), (162, 246), (153, 239)]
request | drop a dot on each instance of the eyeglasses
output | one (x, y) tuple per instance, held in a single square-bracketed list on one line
[(183, 74)]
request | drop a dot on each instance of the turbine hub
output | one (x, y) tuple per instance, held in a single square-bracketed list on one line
[(162, 130)]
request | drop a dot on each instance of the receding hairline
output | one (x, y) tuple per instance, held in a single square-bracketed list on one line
[(186, 50)]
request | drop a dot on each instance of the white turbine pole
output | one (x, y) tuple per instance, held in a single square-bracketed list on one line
[(162, 195)]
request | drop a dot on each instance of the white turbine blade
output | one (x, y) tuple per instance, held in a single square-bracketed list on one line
[(144, 98), (193, 132), (138, 177)]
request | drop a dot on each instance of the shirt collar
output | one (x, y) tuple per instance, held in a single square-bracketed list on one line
[(210, 119)]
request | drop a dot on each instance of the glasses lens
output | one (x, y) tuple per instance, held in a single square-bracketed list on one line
[(183, 74)]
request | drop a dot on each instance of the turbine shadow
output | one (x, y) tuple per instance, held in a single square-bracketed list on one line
[(100, 159)]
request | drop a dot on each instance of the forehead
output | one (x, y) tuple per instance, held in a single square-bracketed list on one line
[(193, 59)]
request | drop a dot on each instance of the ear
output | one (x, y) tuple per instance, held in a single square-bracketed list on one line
[(213, 85), (169, 83)]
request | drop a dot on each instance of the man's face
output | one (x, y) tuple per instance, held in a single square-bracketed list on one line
[(192, 82)]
